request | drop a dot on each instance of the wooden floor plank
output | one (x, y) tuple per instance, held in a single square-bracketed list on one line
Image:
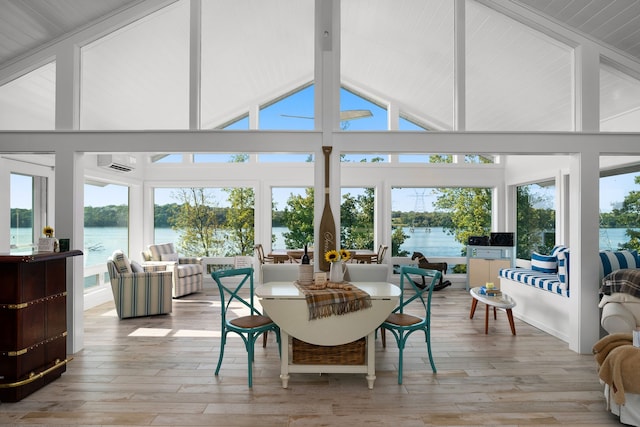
[(159, 371)]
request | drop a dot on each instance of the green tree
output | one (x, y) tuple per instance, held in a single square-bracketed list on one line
[(197, 223), (535, 225), (397, 239), (239, 217), (162, 214), (106, 216), (470, 210), (239, 221), (356, 220), (629, 216), (22, 218), (298, 218)]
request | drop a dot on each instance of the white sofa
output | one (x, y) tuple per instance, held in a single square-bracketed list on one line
[(620, 301)]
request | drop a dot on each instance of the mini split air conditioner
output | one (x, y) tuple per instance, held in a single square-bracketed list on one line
[(120, 163)]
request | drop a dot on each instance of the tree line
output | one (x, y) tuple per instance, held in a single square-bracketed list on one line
[(207, 229), (117, 216)]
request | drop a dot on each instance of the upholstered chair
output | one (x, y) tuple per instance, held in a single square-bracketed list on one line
[(187, 271), (137, 292)]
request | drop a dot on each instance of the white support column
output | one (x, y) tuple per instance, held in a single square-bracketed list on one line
[(136, 221), (69, 211), (67, 87), (262, 215), (510, 212), (587, 88), (499, 204), (254, 117), (148, 204), (327, 106), (584, 262), (393, 116), (195, 63), (69, 189), (5, 200), (459, 88), (385, 204)]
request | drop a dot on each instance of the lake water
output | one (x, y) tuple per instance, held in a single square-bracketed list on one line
[(100, 242)]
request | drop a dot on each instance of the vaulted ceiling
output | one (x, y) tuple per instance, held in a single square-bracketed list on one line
[(26, 25), (418, 80)]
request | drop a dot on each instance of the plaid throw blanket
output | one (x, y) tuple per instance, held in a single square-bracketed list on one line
[(335, 300), (626, 281)]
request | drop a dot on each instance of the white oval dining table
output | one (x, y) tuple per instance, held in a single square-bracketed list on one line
[(286, 305)]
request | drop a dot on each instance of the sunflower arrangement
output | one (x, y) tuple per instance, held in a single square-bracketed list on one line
[(48, 231), (335, 256)]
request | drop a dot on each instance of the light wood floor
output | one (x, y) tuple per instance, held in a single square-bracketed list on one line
[(159, 371)]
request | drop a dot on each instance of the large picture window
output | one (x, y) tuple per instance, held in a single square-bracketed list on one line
[(292, 217), (437, 221), (106, 221), (536, 219), (620, 211), (357, 218), (22, 212), (205, 221), (106, 227)]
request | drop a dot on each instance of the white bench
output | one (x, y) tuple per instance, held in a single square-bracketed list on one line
[(542, 298)]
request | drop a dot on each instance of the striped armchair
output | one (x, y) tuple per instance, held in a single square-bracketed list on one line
[(137, 292), (187, 271)]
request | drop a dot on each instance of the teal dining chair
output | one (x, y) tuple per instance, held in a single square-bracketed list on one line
[(249, 326), (402, 324)]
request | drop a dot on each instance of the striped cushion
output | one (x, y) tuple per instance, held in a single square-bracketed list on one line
[(169, 257), (615, 260), (185, 270), (547, 282), (544, 263), (557, 249), (155, 267), (563, 267), (121, 262), (158, 250)]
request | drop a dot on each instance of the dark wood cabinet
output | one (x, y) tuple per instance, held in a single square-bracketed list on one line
[(33, 315)]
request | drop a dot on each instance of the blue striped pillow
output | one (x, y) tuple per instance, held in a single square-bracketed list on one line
[(563, 268), (557, 249), (544, 263), (615, 260)]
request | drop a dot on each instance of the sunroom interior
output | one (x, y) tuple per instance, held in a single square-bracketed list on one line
[(163, 86)]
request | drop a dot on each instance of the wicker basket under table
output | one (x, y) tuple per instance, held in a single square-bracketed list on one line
[(353, 353)]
